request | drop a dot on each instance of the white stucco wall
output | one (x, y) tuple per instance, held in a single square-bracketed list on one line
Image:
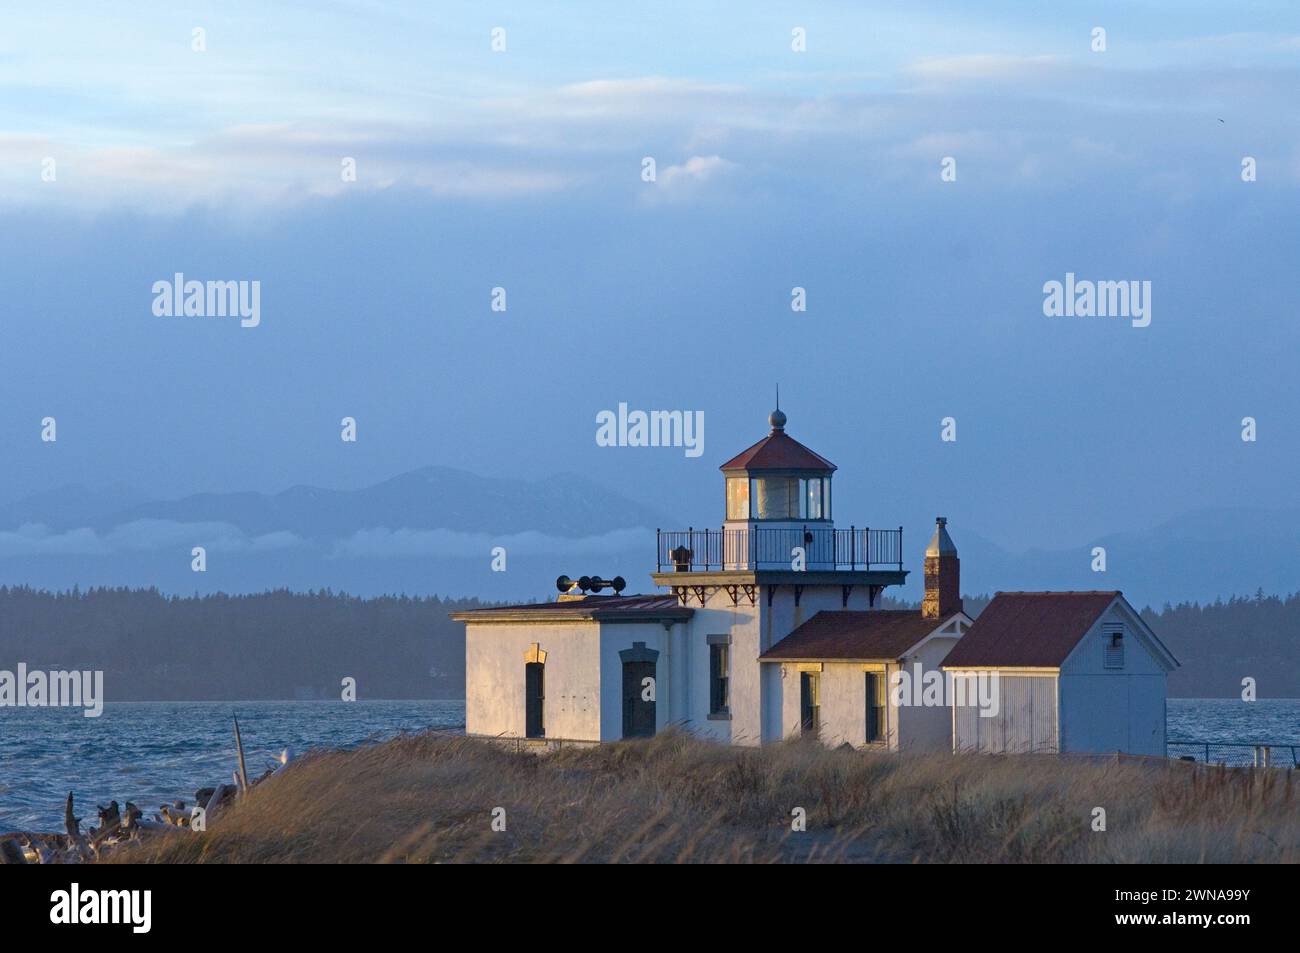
[(776, 623), (740, 622), (758, 695), (843, 702), (584, 673), (494, 678), (927, 727)]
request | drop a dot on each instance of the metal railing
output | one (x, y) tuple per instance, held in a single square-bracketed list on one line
[(704, 550), (1235, 754)]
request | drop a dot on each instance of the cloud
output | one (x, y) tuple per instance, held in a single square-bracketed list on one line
[(695, 171), (982, 66), (512, 139), (150, 535), (34, 539), (387, 543)]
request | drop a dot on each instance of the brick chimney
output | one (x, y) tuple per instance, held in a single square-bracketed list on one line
[(942, 575)]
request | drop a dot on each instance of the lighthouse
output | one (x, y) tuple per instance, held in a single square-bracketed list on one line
[(769, 626), (766, 625), (775, 560)]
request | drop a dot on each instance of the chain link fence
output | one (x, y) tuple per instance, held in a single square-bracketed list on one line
[(1235, 755)]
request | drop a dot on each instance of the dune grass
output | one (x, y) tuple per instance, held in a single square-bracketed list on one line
[(674, 798)]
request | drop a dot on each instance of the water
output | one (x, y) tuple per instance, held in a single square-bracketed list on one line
[(1226, 720), (155, 752), (152, 753)]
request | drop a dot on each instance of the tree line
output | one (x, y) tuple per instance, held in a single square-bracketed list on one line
[(270, 645), (283, 645)]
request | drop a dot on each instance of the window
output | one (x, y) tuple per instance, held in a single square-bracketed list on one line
[(815, 497), (737, 498), (875, 707), (779, 498), (719, 680), (534, 700), (775, 498), (1113, 636)]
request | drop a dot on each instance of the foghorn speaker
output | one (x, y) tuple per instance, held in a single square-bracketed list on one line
[(564, 584)]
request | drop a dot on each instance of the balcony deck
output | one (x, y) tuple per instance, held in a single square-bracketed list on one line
[(752, 550)]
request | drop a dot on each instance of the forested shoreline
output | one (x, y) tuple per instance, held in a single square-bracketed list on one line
[(283, 645)]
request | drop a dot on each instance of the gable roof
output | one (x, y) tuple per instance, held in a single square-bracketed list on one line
[(854, 635), (778, 451), (1029, 629), (652, 608)]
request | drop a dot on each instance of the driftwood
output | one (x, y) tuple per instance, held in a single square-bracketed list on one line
[(110, 821), (72, 825), (125, 825), (219, 794), (239, 750), (177, 813)]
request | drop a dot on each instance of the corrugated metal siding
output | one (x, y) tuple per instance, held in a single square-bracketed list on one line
[(1026, 720)]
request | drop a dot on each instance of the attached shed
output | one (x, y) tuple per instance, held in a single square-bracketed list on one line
[(1059, 672), (842, 676)]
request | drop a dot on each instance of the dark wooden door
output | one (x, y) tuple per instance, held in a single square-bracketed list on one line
[(809, 703), (638, 713), (534, 699)]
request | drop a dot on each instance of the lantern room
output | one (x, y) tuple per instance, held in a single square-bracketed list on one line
[(778, 480), (778, 519)]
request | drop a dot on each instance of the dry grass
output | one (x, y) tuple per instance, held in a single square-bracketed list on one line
[(429, 798)]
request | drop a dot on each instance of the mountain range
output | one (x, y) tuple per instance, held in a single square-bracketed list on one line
[(435, 529)]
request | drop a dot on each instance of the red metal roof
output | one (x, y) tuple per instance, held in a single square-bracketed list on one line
[(1029, 629), (873, 635), (655, 606), (778, 451)]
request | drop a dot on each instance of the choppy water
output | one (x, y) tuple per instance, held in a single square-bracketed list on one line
[(1267, 721), (154, 752)]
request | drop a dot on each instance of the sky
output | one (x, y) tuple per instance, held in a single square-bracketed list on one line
[(522, 169)]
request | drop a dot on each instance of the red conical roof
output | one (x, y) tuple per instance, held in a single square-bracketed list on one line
[(778, 451)]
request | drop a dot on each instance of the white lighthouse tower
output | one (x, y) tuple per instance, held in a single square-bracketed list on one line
[(776, 561)]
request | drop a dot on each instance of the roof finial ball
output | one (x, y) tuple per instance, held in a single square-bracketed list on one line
[(776, 418)]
